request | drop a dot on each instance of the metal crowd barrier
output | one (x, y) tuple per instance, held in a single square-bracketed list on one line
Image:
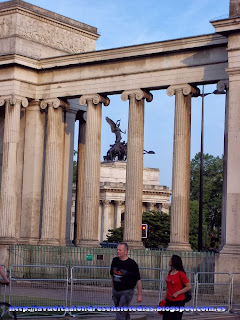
[(213, 289), (40, 286), (45, 285), (93, 286), (235, 294), (2, 287)]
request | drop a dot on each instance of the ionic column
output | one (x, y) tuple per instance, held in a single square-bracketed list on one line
[(165, 207), (69, 125), (221, 86), (80, 172), (91, 179), (179, 233), (20, 165), (231, 185), (2, 115), (8, 199), (52, 198), (32, 173), (118, 213), (134, 171), (151, 206), (106, 216)]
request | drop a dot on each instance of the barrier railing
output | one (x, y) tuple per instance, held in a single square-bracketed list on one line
[(102, 257), (3, 288), (45, 285), (213, 289), (87, 288), (235, 294), (40, 286)]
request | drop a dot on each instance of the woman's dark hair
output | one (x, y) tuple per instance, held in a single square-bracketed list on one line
[(177, 263)]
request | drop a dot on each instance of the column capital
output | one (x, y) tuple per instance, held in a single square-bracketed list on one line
[(165, 205), (95, 98), (138, 94), (55, 103), (185, 88), (106, 202), (119, 202), (13, 99), (223, 85)]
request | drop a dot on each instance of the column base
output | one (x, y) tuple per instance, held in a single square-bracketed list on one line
[(48, 242), (69, 243), (179, 246), (88, 243), (135, 244), (7, 241), (30, 241), (230, 249), (228, 260), (4, 255)]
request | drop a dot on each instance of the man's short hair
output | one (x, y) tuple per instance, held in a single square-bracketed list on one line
[(124, 244)]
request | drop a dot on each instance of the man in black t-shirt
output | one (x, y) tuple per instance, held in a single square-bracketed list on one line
[(125, 276)]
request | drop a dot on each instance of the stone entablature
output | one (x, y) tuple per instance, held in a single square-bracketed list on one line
[(38, 33), (116, 172)]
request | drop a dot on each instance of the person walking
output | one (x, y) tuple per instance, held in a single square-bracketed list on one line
[(125, 276), (177, 285)]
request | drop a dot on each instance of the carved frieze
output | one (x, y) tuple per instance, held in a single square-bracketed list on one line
[(43, 31)]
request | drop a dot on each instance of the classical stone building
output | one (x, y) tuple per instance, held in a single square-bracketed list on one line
[(46, 60), (112, 196)]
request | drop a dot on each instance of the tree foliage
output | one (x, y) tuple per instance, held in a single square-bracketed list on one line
[(74, 171), (115, 235), (212, 195)]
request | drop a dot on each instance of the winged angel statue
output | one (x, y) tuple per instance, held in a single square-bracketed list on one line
[(119, 149), (115, 129)]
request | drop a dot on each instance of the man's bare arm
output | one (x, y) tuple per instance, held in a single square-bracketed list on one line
[(3, 275), (139, 289)]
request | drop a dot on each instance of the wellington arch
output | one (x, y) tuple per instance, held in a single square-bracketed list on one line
[(47, 61)]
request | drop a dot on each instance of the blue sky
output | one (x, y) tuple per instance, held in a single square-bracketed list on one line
[(129, 22)]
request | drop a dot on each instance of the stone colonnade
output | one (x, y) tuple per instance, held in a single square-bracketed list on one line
[(134, 177), (46, 161), (37, 153)]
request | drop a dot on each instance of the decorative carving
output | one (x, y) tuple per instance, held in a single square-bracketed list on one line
[(7, 25), (151, 206), (119, 203), (47, 32), (95, 98), (166, 205), (13, 99), (55, 103), (222, 85), (185, 88), (138, 94), (106, 202)]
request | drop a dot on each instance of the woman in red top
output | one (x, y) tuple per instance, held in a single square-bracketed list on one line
[(177, 285)]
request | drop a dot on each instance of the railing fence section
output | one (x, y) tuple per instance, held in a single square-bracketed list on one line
[(213, 289), (40, 286), (102, 257), (235, 295)]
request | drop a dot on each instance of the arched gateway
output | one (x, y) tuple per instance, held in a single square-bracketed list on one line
[(46, 60)]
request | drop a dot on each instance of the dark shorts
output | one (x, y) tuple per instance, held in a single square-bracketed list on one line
[(176, 315)]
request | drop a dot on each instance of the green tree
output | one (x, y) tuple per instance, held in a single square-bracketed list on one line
[(158, 230), (115, 235), (212, 195), (74, 171)]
